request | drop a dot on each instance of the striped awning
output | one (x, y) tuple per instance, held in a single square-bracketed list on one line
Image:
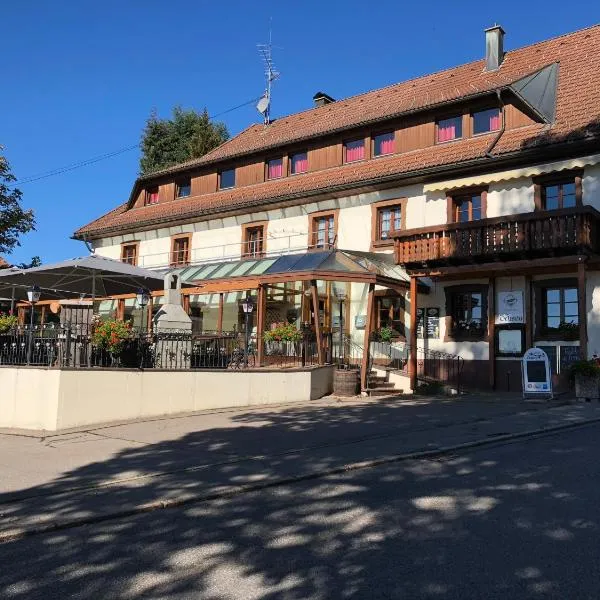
[(485, 178)]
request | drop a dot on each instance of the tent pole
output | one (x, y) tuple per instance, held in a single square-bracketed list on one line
[(12, 301)]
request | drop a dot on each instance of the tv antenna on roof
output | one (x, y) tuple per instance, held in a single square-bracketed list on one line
[(271, 74)]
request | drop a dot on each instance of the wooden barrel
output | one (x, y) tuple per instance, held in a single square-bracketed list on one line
[(346, 382)]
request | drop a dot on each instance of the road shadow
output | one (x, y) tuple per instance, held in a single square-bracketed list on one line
[(496, 523)]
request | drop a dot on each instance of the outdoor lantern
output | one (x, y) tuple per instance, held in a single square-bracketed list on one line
[(33, 294), (339, 290), (143, 297), (248, 305)]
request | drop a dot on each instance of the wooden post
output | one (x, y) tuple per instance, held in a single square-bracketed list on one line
[(581, 295), (149, 315), (528, 309), (492, 331), (260, 324), (315, 302), (220, 315), (368, 326), (412, 357)]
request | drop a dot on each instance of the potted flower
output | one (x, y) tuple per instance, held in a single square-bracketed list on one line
[(279, 338), (283, 332), (586, 374), (111, 336)]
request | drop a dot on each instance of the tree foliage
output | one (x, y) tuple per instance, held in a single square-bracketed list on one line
[(188, 134), (36, 261), (14, 220)]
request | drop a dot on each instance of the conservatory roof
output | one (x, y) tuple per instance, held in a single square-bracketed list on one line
[(330, 265)]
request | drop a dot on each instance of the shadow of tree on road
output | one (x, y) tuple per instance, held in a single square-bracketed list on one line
[(430, 529)]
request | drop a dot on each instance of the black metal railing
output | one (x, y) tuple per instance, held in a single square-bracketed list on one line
[(76, 347)]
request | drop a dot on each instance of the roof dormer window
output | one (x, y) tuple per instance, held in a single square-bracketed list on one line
[(151, 196), (354, 150), (485, 121), (275, 168), (227, 179), (449, 129)]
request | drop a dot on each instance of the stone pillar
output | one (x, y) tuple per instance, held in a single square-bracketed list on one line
[(173, 329)]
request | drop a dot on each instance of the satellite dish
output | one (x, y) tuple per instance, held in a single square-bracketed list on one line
[(263, 105)]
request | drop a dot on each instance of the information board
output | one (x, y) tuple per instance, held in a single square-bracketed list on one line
[(537, 379), (568, 355), (428, 322)]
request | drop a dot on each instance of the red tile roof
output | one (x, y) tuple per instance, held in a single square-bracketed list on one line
[(578, 107), (3, 263)]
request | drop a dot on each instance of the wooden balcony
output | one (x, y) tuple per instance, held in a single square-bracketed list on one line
[(527, 235)]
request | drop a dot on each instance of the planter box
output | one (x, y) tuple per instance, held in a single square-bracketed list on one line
[(587, 388)]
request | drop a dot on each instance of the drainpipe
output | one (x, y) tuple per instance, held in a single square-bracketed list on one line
[(493, 143)]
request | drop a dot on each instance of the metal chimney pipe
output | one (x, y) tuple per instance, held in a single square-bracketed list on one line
[(494, 47)]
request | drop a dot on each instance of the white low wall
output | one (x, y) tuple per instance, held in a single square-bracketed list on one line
[(49, 399)]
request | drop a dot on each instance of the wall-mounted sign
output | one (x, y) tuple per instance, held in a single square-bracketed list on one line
[(428, 322), (535, 368), (509, 308), (360, 321), (510, 341)]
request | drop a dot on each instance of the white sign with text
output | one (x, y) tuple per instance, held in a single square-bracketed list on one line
[(509, 308), (537, 378)]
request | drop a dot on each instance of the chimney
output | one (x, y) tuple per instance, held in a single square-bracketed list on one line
[(321, 99), (494, 47)]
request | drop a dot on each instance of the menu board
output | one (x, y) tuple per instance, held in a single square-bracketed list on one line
[(428, 322), (568, 355), (537, 379)]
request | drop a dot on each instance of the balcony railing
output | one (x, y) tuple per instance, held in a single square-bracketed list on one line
[(546, 233)]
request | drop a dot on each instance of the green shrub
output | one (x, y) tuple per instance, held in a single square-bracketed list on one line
[(7, 322), (584, 368)]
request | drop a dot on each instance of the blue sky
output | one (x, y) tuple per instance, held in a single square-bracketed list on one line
[(81, 77)]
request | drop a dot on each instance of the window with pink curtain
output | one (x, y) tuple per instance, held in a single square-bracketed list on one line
[(383, 144), (275, 168), (152, 195), (449, 129), (298, 163), (355, 150), (486, 120)]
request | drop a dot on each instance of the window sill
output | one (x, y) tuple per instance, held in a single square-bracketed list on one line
[(485, 132), (382, 243), (557, 337), (466, 338), (457, 139)]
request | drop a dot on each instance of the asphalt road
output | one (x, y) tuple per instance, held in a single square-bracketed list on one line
[(514, 521)]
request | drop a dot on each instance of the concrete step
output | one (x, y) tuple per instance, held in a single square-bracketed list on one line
[(383, 392), (383, 385), (377, 379)]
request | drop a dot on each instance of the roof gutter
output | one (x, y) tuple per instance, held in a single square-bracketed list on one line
[(437, 171), (488, 151)]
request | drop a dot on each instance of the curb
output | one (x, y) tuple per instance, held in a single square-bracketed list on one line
[(232, 491)]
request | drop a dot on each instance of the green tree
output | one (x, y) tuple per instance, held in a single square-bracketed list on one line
[(188, 134), (36, 261), (14, 220)]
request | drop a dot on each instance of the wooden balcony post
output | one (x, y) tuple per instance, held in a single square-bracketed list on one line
[(317, 321), (528, 310), (412, 357), (367, 338), (581, 296), (261, 310), (492, 331), (220, 314)]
